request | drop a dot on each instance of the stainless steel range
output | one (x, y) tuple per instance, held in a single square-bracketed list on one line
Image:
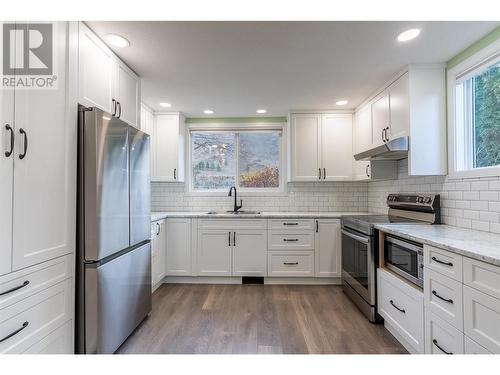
[(360, 247)]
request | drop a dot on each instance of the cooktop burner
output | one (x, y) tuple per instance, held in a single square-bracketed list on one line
[(365, 223)]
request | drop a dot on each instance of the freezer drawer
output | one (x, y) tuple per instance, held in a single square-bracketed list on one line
[(117, 299)]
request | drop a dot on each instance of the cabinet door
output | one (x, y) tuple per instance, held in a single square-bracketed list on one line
[(166, 140), (250, 253), (328, 254), (147, 126), (6, 171), (380, 118), (399, 108), (95, 71), (214, 252), (127, 90), (154, 252), (363, 129), (336, 147), (45, 179), (178, 247), (161, 251), (305, 147), (362, 170)]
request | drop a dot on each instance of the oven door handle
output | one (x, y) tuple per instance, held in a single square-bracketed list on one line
[(356, 237)]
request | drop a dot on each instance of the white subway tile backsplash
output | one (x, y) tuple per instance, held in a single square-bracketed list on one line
[(300, 196), (466, 203)]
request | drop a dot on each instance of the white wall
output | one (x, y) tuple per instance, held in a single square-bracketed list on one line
[(466, 203), (300, 196)]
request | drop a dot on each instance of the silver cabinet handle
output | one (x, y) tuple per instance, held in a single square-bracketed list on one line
[(290, 263)]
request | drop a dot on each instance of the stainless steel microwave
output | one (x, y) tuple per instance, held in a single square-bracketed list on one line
[(405, 258)]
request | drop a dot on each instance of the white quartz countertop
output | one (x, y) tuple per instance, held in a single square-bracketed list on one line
[(475, 244), (263, 215)]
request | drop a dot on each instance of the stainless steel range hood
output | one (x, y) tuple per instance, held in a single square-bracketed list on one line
[(395, 149)]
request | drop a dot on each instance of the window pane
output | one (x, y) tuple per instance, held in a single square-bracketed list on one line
[(259, 159), (487, 118), (213, 161)]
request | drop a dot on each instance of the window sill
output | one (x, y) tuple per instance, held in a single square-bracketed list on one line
[(475, 173), (241, 194)]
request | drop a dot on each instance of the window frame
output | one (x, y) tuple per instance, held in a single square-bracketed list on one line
[(461, 140), (238, 127)]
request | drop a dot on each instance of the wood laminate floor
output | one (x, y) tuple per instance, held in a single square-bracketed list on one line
[(251, 319)]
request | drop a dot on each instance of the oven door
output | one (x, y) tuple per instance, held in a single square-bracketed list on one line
[(404, 258), (358, 264)]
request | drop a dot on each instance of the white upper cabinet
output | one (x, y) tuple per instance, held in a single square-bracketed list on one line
[(95, 71), (399, 112), (7, 132), (412, 105), (127, 94), (380, 119), (321, 147), (147, 122), (305, 147), (44, 202), (104, 80), (168, 147), (362, 134), (336, 146)]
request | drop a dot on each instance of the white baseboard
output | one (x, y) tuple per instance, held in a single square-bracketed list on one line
[(237, 280)]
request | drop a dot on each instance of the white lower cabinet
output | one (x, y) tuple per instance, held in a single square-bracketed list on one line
[(443, 296), (26, 322), (59, 341), (327, 248), (402, 306), (179, 247), (441, 337), (214, 252), (482, 319), (472, 347), (294, 264), (250, 253), (158, 251)]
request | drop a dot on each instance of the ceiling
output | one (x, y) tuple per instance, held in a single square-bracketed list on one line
[(235, 68)]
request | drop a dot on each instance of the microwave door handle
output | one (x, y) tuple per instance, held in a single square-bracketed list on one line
[(356, 237)]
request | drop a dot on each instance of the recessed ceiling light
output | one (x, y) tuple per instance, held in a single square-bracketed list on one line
[(341, 102), (208, 112), (408, 35), (165, 105), (261, 111), (117, 40)]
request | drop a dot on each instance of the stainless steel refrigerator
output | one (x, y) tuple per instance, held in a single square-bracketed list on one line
[(113, 251)]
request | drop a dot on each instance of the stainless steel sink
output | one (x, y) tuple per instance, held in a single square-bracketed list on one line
[(234, 212)]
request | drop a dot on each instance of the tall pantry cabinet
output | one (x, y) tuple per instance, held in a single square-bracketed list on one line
[(38, 203)]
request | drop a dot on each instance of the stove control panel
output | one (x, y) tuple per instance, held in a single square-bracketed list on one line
[(413, 200)]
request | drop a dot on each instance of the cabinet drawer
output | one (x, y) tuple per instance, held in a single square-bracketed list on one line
[(403, 308), (32, 280), (482, 319), (291, 241), (291, 224), (230, 224), (39, 314), (443, 296), (441, 337), (472, 347), (482, 276), (296, 264), (442, 261), (59, 341)]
